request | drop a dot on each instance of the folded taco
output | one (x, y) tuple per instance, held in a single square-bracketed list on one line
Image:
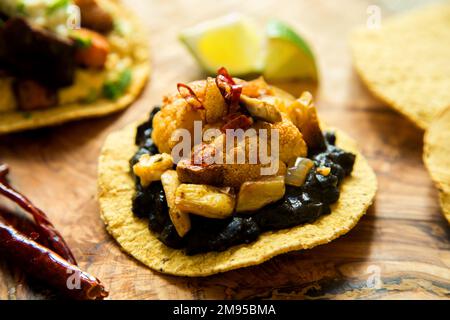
[(62, 60), (229, 173)]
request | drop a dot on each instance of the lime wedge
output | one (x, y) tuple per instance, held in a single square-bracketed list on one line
[(288, 55), (232, 41)]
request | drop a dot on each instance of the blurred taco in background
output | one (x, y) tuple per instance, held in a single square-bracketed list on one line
[(62, 60)]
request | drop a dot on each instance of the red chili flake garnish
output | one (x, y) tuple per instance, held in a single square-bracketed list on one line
[(189, 95), (230, 91), (237, 121), (44, 227)]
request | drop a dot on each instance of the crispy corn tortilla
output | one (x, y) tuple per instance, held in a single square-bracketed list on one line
[(116, 188), (18, 121), (436, 156), (406, 62)]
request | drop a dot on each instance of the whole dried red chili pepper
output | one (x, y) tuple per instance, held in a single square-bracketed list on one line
[(48, 266), (44, 227), (189, 95)]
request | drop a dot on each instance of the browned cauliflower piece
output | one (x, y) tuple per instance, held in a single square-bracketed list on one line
[(175, 114)]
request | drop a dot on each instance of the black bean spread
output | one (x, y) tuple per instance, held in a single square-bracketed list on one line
[(299, 205)]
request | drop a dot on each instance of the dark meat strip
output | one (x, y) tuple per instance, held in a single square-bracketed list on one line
[(35, 53), (45, 265), (31, 95), (94, 17)]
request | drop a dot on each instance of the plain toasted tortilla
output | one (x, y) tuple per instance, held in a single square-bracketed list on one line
[(116, 188), (436, 156), (406, 64), (17, 121)]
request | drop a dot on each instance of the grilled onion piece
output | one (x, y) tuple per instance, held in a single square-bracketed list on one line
[(261, 109), (254, 195)]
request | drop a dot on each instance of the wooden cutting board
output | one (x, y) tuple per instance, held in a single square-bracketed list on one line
[(400, 249)]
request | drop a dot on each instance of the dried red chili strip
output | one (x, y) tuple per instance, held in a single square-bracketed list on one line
[(223, 72), (49, 267), (230, 91), (44, 227), (189, 95)]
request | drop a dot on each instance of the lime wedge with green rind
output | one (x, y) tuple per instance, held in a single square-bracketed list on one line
[(288, 55), (232, 41)]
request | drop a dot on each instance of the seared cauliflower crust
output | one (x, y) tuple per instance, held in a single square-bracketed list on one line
[(176, 113)]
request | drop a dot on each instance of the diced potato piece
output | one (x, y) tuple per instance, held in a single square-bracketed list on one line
[(203, 200), (214, 103), (254, 195), (261, 109), (180, 219), (297, 174), (150, 168)]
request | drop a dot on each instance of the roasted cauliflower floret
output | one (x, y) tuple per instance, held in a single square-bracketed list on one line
[(176, 115), (291, 143)]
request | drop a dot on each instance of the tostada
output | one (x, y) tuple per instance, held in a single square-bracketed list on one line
[(63, 60), (229, 173)]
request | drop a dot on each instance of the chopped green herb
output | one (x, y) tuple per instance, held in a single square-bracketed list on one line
[(21, 8), (56, 5), (82, 42), (118, 27), (115, 88)]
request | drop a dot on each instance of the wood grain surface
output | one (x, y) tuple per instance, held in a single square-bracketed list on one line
[(399, 250)]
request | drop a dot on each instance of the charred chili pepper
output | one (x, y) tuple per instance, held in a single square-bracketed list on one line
[(44, 227), (48, 266)]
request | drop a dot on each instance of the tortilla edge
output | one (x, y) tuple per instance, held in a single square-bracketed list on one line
[(16, 121)]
